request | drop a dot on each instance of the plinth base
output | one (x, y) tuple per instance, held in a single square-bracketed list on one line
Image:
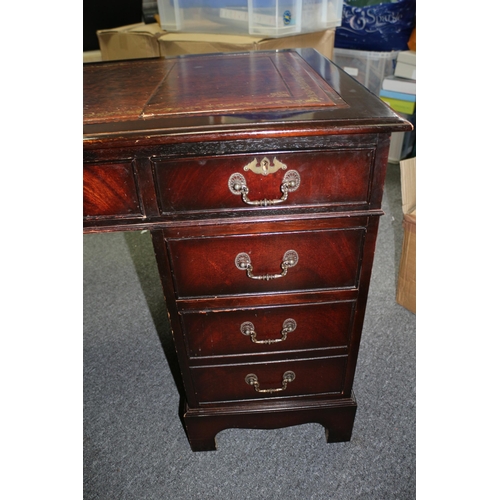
[(203, 424)]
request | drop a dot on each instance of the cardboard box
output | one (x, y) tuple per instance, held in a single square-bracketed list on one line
[(407, 280), (135, 41), (175, 44), (141, 40), (91, 56)]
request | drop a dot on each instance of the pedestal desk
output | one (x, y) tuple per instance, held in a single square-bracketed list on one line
[(260, 177)]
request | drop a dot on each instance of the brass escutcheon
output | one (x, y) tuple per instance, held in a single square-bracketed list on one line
[(265, 167)]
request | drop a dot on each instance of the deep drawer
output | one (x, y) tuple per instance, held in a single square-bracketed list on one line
[(268, 329), (215, 266), (109, 189), (232, 382), (337, 177)]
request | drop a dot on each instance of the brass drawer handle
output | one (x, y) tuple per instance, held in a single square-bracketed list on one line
[(247, 328), (242, 262), (251, 379), (238, 185)]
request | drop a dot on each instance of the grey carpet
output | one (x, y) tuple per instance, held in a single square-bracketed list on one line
[(134, 444)]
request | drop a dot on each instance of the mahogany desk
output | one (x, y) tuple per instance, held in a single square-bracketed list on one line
[(260, 177)]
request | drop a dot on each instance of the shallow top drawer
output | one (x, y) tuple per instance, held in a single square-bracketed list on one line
[(280, 180), (110, 190)]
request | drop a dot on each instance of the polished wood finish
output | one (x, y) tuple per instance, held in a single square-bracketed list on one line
[(226, 382), (206, 266), (162, 140), (350, 169), (324, 325)]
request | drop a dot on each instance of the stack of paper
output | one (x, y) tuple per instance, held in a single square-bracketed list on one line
[(399, 90)]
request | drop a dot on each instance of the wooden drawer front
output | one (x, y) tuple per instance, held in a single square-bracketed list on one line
[(326, 178), (312, 376), (206, 266), (307, 326), (110, 190)]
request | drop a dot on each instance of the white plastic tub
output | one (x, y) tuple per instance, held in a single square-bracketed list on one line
[(369, 68), (270, 18)]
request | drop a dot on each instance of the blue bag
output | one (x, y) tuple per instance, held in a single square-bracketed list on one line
[(376, 26)]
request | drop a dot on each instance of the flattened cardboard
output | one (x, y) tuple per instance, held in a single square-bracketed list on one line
[(137, 41), (406, 294), (134, 41), (176, 44), (409, 185)]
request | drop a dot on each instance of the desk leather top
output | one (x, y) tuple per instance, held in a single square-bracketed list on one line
[(220, 92)]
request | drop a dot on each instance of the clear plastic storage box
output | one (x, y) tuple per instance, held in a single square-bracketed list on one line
[(270, 18), (369, 68)]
